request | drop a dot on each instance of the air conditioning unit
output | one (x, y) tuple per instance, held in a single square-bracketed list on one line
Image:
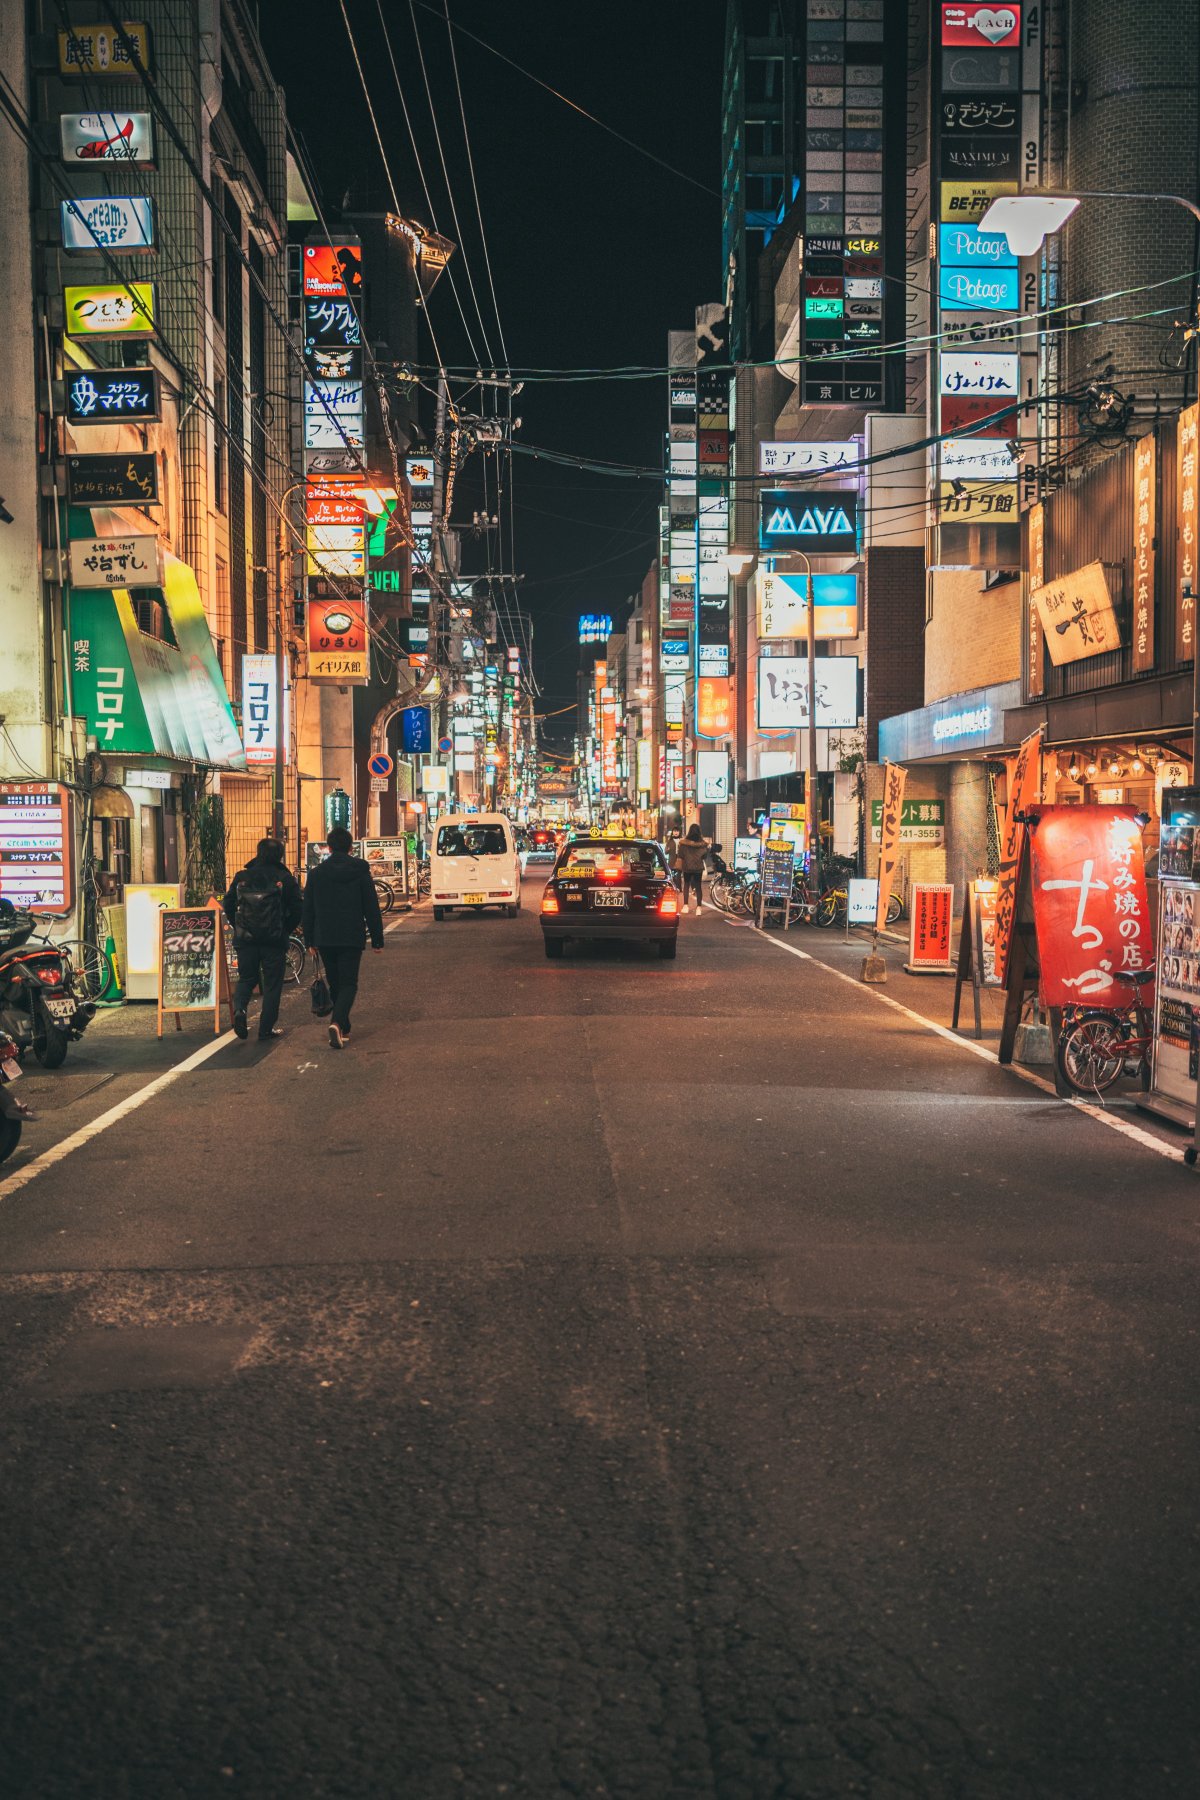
[(151, 618)]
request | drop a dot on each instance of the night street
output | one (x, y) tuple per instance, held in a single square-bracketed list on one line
[(606, 1377)]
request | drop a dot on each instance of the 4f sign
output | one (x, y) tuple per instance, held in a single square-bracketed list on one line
[(807, 521)]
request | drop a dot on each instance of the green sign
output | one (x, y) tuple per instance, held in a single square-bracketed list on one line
[(921, 821), (141, 695)]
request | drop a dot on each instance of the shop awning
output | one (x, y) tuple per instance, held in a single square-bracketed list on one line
[(141, 695)]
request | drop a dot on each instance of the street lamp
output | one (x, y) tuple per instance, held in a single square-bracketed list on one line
[(278, 822), (810, 786), (1026, 219)]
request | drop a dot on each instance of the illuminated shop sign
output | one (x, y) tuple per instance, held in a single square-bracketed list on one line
[(712, 777), (783, 692), (124, 562), (975, 721), (35, 845), (967, 247), (333, 269), (98, 396), (97, 49), (129, 477), (980, 376), (984, 27), (807, 458), (594, 628), (260, 710), (783, 605), (331, 324), (809, 520), (979, 290), (978, 459), (107, 137), (108, 222), (110, 310)]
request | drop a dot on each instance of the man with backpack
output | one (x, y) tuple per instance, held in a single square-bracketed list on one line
[(263, 905)]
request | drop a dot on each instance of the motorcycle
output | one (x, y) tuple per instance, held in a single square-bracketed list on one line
[(40, 1008), (13, 1112)]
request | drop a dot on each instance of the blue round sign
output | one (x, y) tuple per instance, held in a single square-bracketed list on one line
[(381, 764), (444, 745)]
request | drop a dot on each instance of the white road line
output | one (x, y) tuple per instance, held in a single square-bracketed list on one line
[(11, 1184), (1133, 1132)]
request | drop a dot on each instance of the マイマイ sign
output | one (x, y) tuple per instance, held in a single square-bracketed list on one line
[(193, 975), (1090, 906), (104, 396)]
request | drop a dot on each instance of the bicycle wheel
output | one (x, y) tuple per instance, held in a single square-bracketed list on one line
[(1091, 1054), (93, 972), (895, 908), (296, 954), (828, 909), (387, 898), (720, 892)]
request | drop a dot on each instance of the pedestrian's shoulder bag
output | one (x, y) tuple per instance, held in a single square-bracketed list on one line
[(322, 1005), (258, 917)]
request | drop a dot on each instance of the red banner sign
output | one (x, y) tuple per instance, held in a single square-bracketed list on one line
[(337, 640), (714, 706), (1089, 904), (930, 906)]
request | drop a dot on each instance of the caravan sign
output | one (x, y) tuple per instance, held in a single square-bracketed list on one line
[(793, 518)]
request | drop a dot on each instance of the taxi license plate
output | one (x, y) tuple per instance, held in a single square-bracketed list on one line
[(12, 1069), (609, 897), (61, 1009), (472, 899)]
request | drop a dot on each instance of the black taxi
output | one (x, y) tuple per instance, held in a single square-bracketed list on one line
[(605, 887)]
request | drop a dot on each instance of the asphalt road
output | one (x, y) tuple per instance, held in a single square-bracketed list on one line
[(608, 1377)]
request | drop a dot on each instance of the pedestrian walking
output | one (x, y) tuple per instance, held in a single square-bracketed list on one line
[(263, 907), (692, 850), (341, 910)]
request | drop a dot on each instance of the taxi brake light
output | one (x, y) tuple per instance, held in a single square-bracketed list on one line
[(668, 906), (549, 903)]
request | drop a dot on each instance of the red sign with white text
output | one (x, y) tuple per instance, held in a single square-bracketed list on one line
[(714, 706), (333, 270), (1089, 904), (337, 640), (979, 416), (930, 906), (990, 27)]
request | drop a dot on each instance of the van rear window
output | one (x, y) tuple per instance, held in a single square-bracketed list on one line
[(472, 840)]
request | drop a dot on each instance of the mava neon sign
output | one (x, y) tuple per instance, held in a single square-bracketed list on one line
[(824, 520)]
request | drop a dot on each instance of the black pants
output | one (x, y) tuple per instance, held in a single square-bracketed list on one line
[(691, 885), (341, 971), (260, 965)]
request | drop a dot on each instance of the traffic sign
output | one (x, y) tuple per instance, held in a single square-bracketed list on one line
[(381, 764), (444, 745)]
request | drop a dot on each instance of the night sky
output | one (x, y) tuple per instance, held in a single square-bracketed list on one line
[(597, 252)]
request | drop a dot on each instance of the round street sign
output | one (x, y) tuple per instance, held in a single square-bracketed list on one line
[(443, 745), (381, 765)]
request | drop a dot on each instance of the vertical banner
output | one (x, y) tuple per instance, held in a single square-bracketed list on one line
[(894, 778), (1089, 904), (1036, 563), (1186, 512), (1145, 471), (1024, 786)]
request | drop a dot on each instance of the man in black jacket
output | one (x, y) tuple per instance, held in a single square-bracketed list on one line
[(341, 908), (263, 906)]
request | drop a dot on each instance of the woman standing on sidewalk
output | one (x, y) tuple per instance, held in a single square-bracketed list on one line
[(693, 848)]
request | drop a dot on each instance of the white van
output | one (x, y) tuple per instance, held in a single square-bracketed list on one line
[(474, 862)]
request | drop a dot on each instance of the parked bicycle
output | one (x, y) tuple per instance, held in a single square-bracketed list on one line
[(1096, 1047)]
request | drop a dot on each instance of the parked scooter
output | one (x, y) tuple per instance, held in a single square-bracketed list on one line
[(40, 1007), (13, 1112)]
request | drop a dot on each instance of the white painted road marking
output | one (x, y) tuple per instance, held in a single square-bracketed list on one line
[(1123, 1126), (11, 1184)]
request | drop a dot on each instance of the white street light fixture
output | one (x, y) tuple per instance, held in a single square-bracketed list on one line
[(738, 561), (1025, 219)]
